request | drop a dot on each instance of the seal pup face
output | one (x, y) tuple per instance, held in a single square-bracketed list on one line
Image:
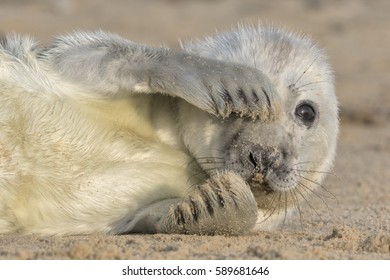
[(285, 156)]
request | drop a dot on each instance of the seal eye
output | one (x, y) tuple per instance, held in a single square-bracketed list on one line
[(306, 113)]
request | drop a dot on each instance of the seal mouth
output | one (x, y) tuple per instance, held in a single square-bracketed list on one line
[(258, 183), (261, 190)]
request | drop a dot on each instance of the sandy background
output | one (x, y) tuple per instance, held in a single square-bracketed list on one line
[(356, 35)]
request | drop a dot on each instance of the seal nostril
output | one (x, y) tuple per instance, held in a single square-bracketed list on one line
[(252, 160)]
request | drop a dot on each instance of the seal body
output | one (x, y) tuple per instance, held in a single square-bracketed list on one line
[(102, 135)]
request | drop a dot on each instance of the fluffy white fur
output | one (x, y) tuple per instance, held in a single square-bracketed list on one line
[(99, 134)]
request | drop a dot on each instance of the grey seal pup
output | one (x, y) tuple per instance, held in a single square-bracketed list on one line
[(102, 135)]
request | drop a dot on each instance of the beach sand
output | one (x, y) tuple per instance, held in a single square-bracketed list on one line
[(348, 220)]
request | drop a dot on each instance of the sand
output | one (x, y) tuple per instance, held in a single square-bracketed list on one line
[(355, 33)]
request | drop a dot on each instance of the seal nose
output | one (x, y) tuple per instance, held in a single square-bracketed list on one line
[(265, 159)]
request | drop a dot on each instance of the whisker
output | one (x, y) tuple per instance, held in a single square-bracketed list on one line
[(203, 171), (311, 83), (211, 161), (279, 199), (307, 189), (198, 158), (270, 203), (310, 206), (206, 170), (304, 162), (285, 207), (332, 196), (268, 210), (308, 89), (296, 205), (192, 161), (304, 72), (205, 159), (316, 171), (214, 162)]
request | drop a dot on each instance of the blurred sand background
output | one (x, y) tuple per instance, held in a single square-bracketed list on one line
[(356, 36)]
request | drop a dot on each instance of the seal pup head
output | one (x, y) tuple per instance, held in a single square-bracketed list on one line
[(285, 156)]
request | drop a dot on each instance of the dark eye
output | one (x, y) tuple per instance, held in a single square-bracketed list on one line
[(306, 113)]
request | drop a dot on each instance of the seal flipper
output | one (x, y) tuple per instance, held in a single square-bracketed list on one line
[(224, 205), (106, 65)]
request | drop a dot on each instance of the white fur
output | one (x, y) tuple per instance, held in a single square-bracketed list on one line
[(83, 149)]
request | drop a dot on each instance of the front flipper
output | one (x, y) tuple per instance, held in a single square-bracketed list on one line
[(224, 204), (110, 66)]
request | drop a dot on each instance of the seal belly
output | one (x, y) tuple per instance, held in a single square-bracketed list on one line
[(81, 165)]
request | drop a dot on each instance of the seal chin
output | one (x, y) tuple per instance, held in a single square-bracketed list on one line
[(274, 191), (264, 187)]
